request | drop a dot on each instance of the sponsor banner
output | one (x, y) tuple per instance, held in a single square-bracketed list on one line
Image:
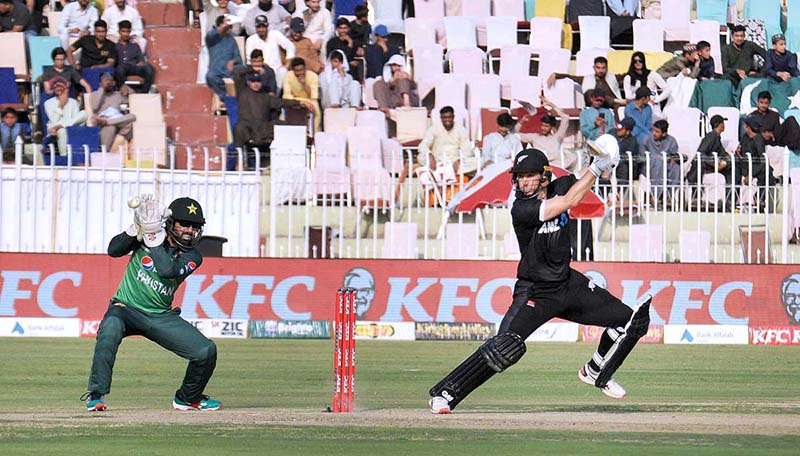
[(705, 334), (655, 334), (270, 329), (89, 328), (216, 329), (776, 335), (385, 330), (453, 331), (40, 327), (79, 286), (555, 332)]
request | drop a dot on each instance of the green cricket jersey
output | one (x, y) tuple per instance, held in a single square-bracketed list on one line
[(153, 274)]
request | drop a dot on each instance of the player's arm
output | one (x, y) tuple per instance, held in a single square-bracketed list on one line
[(552, 207), (123, 244), (170, 267)]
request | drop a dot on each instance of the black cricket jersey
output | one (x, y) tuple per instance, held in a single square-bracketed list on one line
[(544, 245)]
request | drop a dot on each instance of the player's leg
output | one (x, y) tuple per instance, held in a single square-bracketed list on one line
[(593, 305), (116, 324), (496, 355), (179, 336)]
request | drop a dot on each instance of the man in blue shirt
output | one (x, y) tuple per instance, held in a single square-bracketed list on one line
[(641, 113), (223, 55), (596, 119)]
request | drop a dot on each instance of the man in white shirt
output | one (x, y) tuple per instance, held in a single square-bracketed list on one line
[(502, 144), (270, 43), (277, 16), (319, 23), (77, 20), (121, 11), (447, 142)]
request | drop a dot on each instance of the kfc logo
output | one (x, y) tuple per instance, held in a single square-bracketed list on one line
[(790, 296)]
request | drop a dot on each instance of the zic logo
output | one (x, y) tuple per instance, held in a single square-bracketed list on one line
[(147, 263)]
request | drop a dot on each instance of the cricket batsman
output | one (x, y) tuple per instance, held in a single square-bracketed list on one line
[(547, 287), (162, 243)]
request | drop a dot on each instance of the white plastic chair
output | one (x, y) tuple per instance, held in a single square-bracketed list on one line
[(331, 176), (374, 119), (431, 9), (646, 243), (428, 67), (515, 63), (584, 60), (389, 13), (713, 189), (291, 177), (500, 31), (565, 93), (527, 88), (545, 33), (451, 90), (13, 55), (482, 92), (339, 119), (515, 8), (372, 184), (676, 23), (399, 240), (595, 32), (369, 94), (460, 32), (708, 31), (479, 11), (461, 241), (466, 61), (648, 35), (419, 32), (695, 246), (553, 61), (685, 124)]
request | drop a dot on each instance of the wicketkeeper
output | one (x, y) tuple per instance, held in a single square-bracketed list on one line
[(162, 242), (547, 287)]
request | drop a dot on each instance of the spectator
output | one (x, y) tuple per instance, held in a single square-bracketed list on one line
[(302, 84), (318, 22), (651, 9), (662, 146), (710, 145), (10, 130), (62, 112), (707, 70), (60, 69), (303, 47), (223, 55), (223, 8), (600, 78), (107, 105), (121, 11), (595, 119), (781, 64), (549, 140), (769, 119), (36, 8), (687, 64), (642, 114), (396, 88), (752, 152), (623, 132), (360, 30), (97, 51), (268, 83), (131, 59), (15, 17), (77, 21), (339, 90), (276, 15), (343, 42), (378, 53), (257, 111), (774, 132), (640, 76), (270, 43), (623, 8), (447, 142), (737, 57), (502, 144)]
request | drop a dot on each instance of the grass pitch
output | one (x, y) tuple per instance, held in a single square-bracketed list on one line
[(682, 400)]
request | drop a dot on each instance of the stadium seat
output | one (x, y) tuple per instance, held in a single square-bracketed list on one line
[(392, 155), (92, 75), (372, 185), (339, 119), (656, 59), (428, 67), (528, 89), (369, 94), (482, 92), (713, 189), (708, 31), (40, 49), (514, 63), (513, 8), (595, 32), (500, 31), (419, 32), (620, 59), (565, 93), (149, 130), (545, 33), (551, 8), (767, 10), (676, 23), (13, 55), (330, 175), (553, 61), (461, 32), (648, 35), (794, 221), (430, 10), (412, 123), (290, 177), (53, 19), (646, 243), (461, 241), (389, 13), (792, 25), (479, 11), (399, 240), (584, 60), (374, 119), (202, 59), (713, 10), (466, 61), (451, 89), (9, 94), (695, 246), (77, 138)]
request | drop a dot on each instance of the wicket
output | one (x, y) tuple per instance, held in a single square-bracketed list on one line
[(344, 350)]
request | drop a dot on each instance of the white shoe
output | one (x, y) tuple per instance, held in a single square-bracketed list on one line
[(612, 389), (439, 405)]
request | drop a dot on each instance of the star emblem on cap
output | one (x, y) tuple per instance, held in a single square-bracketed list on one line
[(192, 209)]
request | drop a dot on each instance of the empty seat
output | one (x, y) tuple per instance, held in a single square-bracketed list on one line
[(676, 23), (290, 178), (482, 92), (419, 32), (553, 61), (389, 13), (584, 60), (695, 246), (400, 240), (500, 31), (466, 61), (461, 32), (514, 8), (545, 33), (451, 90), (375, 119), (13, 54), (515, 63), (595, 32), (339, 119), (461, 241), (331, 176), (646, 243), (648, 35), (372, 185)]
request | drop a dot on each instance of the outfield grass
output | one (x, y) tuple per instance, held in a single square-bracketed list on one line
[(43, 379)]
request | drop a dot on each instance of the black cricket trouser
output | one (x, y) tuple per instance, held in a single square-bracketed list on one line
[(168, 330), (572, 300)]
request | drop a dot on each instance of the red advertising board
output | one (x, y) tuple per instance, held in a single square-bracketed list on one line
[(61, 285)]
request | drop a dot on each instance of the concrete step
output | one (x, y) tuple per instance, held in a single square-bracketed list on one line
[(158, 14), (189, 98), (175, 68), (172, 40), (196, 128)]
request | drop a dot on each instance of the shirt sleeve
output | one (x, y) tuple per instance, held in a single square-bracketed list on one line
[(122, 244), (170, 267), (425, 146), (287, 45)]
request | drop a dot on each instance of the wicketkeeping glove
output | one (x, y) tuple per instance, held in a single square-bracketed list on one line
[(151, 216)]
